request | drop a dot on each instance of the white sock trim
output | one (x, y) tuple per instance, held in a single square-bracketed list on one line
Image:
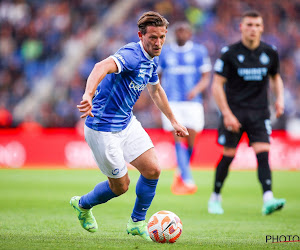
[(215, 197), (268, 195)]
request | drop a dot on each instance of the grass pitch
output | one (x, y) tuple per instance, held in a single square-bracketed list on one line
[(35, 212)]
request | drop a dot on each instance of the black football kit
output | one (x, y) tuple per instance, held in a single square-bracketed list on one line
[(247, 73)]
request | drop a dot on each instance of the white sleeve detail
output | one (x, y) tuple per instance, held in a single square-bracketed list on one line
[(118, 64), (154, 83), (205, 68)]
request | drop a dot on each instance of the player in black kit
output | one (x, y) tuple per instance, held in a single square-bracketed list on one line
[(240, 88)]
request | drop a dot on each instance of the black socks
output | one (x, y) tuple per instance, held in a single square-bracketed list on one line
[(221, 172)]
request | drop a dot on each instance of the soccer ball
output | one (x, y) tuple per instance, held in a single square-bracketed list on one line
[(164, 227)]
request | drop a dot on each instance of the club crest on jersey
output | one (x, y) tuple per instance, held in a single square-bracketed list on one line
[(264, 59), (241, 58)]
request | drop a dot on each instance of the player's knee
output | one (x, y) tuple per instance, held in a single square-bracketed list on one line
[(121, 187), (229, 152), (260, 147), (153, 173)]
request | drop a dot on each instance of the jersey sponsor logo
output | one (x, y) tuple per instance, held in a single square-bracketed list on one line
[(182, 70), (241, 58), (97, 92), (264, 59), (252, 74), (137, 87)]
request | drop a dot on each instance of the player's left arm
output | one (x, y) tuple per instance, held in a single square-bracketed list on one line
[(160, 99), (200, 86), (277, 86)]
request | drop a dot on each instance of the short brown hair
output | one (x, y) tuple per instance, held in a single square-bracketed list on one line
[(251, 13), (151, 18)]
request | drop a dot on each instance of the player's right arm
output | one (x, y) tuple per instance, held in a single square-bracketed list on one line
[(100, 70), (160, 99), (230, 120)]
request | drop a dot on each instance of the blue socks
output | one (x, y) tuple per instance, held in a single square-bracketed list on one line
[(100, 194), (145, 191), (183, 160)]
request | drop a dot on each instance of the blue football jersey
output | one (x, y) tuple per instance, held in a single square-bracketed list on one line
[(182, 68), (118, 92)]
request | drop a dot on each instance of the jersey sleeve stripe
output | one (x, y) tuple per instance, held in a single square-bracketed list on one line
[(118, 64), (154, 83), (205, 68)]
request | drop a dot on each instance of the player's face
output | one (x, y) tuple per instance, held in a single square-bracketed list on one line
[(153, 40), (182, 36), (252, 28)]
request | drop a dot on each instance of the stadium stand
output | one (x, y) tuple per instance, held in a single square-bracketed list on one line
[(48, 48)]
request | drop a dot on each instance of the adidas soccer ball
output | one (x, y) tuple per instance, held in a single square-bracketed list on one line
[(164, 227)]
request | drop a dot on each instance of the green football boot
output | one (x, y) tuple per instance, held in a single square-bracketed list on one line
[(215, 207), (272, 206), (85, 216), (138, 228)]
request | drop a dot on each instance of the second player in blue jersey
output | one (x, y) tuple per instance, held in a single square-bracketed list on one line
[(185, 72)]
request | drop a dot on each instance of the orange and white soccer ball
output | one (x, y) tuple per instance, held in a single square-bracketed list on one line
[(164, 227)]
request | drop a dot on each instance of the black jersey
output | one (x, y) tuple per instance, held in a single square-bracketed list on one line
[(247, 73)]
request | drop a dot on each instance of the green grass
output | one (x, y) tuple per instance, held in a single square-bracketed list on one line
[(35, 212)]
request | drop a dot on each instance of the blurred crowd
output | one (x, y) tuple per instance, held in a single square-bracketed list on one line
[(33, 35)]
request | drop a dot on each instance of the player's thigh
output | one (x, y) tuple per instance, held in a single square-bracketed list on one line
[(147, 164), (229, 152), (228, 138), (136, 141), (260, 147), (192, 137), (258, 126), (189, 114), (107, 152)]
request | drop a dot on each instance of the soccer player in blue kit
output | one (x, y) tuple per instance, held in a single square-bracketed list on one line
[(185, 73), (112, 131)]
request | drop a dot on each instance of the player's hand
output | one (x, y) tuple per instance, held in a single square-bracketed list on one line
[(192, 94), (85, 106), (231, 123), (279, 106), (180, 130)]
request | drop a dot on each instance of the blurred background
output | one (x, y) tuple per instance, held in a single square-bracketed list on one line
[(48, 49)]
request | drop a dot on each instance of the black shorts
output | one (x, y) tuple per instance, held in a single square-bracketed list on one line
[(255, 123)]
